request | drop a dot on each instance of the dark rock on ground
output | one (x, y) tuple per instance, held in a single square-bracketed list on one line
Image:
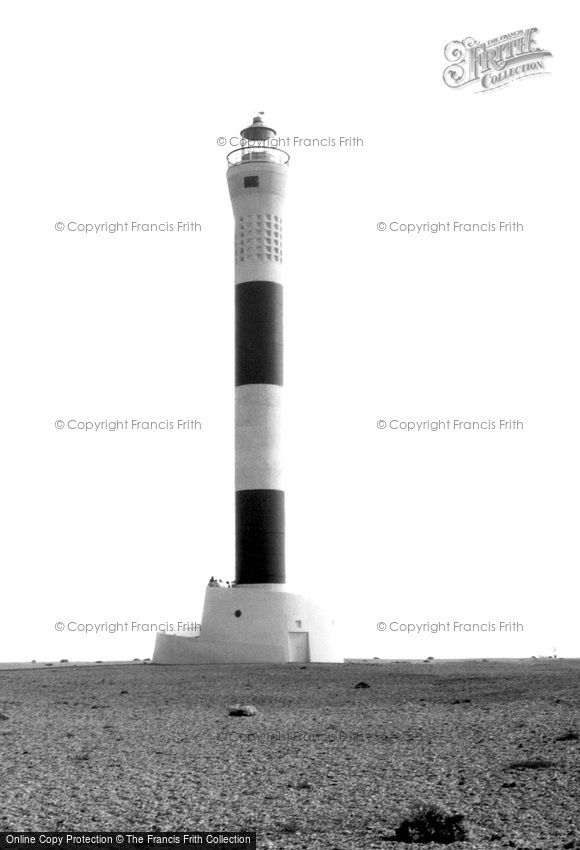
[(571, 735), (242, 711), (531, 764)]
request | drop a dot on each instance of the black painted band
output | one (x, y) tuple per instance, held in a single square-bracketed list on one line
[(259, 335), (260, 537)]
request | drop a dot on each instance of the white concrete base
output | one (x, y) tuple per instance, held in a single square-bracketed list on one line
[(271, 626)]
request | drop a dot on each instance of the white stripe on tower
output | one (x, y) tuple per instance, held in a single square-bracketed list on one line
[(258, 437)]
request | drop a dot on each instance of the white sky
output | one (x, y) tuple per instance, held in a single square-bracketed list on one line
[(111, 112)]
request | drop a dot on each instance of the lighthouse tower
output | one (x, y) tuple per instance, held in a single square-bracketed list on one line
[(257, 620), (257, 182)]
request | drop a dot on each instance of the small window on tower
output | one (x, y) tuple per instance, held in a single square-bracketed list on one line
[(251, 182)]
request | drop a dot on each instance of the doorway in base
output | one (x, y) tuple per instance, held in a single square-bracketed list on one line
[(299, 648)]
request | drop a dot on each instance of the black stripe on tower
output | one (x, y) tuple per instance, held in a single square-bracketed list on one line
[(260, 537), (259, 335), (259, 360)]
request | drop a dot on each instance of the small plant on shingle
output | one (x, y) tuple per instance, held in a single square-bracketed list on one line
[(430, 823)]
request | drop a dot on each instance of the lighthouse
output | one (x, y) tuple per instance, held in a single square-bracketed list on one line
[(257, 619)]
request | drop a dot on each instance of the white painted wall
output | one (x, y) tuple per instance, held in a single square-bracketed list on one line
[(261, 632)]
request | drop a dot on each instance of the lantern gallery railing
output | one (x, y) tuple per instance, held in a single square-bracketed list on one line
[(258, 154)]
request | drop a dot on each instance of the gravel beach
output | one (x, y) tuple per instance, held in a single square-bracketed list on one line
[(323, 764)]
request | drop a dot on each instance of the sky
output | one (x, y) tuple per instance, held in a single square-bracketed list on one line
[(113, 114)]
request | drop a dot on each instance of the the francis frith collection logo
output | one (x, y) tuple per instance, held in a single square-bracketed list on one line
[(492, 64)]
